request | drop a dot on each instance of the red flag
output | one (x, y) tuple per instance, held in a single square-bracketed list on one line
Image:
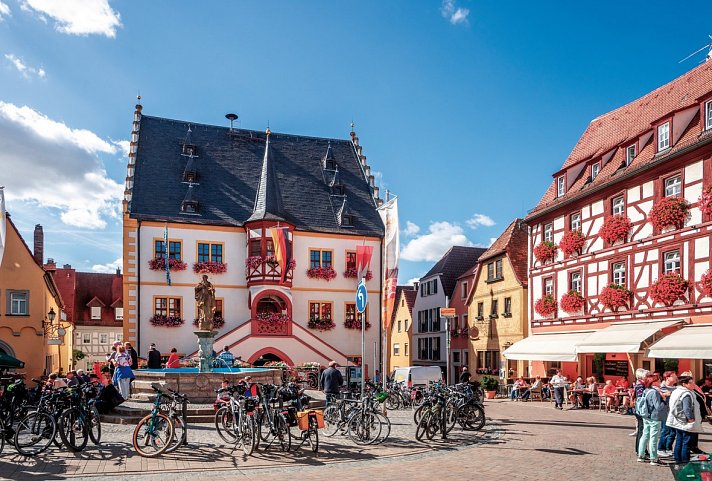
[(281, 250), (363, 260)]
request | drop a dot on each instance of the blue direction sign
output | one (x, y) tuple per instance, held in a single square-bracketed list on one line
[(361, 297)]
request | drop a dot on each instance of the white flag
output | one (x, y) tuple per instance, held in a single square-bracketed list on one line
[(3, 223)]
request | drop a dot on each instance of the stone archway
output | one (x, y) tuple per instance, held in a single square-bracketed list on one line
[(6, 349), (268, 354)]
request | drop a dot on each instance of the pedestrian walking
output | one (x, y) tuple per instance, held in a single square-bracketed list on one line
[(154, 357), (651, 407), (684, 417), (122, 371), (667, 434), (466, 375), (111, 356), (134, 355), (638, 389), (558, 383), (331, 381)]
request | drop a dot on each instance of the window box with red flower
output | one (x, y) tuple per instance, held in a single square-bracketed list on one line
[(669, 212), (572, 302), (668, 289), (545, 252), (209, 267), (705, 201), (253, 262), (325, 273), (355, 324), (159, 264), (706, 283), (615, 228), (218, 322), (615, 296), (572, 243), (321, 324), (166, 321), (351, 273), (546, 306)]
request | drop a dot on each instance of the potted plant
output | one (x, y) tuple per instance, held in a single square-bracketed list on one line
[(615, 228), (705, 201), (669, 212), (545, 252), (546, 306), (572, 243), (706, 283), (572, 302), (614, 296), (490, 384), (668, 289)]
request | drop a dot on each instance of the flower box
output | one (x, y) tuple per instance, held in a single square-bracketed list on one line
[(209, 267), (706, 283), (218, 322), (166, 321), (705, 201), (545, 252), (325, 273), (272, 317), (352, 273), (572, 302), (669, 212), (253, 262), (355, 324), (668, 289), (546, 306), (321, 324), (615, 228), (572, 243), (159, 264), (614, 296)]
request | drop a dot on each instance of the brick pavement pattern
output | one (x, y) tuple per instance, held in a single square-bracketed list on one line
[(525, 441)]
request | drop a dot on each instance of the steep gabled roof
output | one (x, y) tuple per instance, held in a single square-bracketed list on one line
[(268, 202), (453, 264), (410, 293), (513, 243)]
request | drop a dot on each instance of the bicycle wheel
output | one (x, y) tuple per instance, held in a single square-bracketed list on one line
[(180, 434), (419, 412), (34, 433), (313, 435), (433, 426), (263, 428), (473, 417), (451, 411), (152, 435), (385, 428), (2, 435), (94, 426), (364, 428), (73, 429), (422, 426), (393, 402), (247, 435), (224, 425), (282, 428), (332, 419)]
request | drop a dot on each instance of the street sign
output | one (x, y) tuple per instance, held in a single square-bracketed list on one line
[(448, 312), (361, 297)]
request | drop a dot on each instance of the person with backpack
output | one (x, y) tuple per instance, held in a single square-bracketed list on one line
[(684, 417), (638, 389), (653, 410)]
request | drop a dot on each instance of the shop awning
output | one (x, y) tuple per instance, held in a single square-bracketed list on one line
[(9, 362), (623, 336), (690, 342), (560, 346)]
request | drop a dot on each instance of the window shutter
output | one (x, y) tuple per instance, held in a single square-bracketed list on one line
[(435, 286)]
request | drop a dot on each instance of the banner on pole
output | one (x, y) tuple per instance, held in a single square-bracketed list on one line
[(363, 261), (391, 253), (167, 254)]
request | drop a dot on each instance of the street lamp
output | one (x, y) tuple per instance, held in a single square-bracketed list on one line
[(53, 331)]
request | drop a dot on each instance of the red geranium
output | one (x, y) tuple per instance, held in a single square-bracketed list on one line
[(166, 321), (706, 283), (159, 264), (546, 306), (705, 201), (615, 228), (209, 267), (668, 289), (546, 251), (352, 273), (321, 324), (572, 242), (326, 273), (218, 322), (670, 211), (572, 302), (355, 324), (614, 296)]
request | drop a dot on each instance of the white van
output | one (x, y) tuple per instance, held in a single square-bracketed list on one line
[(417, 375)]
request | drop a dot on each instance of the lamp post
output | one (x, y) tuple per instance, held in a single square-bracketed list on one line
[(54, 332)]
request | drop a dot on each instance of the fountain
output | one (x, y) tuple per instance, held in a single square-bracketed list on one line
[(205, 299)]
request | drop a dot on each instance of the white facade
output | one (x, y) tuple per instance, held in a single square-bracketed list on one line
[(428, 344)]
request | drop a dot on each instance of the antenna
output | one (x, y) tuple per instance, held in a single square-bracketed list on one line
[(709, 52), (231, 118)]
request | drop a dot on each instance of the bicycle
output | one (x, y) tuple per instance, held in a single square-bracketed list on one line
[(235, 422), (271, 420), (153, 434), (80, 421), (178, 414)]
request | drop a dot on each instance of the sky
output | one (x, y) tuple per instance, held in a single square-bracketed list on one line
[(464, 108)]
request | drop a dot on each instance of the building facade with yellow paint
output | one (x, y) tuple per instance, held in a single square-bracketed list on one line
[(400, 333)]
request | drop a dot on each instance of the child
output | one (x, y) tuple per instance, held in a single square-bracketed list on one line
[(223, 396)]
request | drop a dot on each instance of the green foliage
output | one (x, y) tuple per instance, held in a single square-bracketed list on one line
[(490, 383), (78, 354)]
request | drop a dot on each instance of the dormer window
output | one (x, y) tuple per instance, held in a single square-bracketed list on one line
[(190, 207), (595, 169), (190, 176), (338, 189), (629, 154), (330, 164), (560, 186), (189, 149), (347, 220), (708, 115), (663, 136)]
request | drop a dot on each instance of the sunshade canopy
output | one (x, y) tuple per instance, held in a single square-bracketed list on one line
[(623, 336), (690, 342)]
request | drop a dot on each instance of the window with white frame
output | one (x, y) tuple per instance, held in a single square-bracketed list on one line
[(663, 136), (18, 305), (708, 115), (618, 206), (120, 336), (576, 221), (671, 262), (96, 312), (629, 154), (396, 349), (400, 326), (103, 338), (618, 273), (673, 186), (575, 281), (548, 286), (560, 186), (595, 169), (549, 232), (86, 338), (119, 313), (463, 295)]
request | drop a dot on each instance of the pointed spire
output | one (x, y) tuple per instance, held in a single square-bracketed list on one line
[(268, 200)]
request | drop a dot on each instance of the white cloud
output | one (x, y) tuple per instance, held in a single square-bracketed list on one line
[(480, 220), (124, 145), (431, 246), (4, 10), (109, 268), (491, 241), (411, 229), (412, 281), (26, 71), (67, 174), (77, 17), (453, 13)]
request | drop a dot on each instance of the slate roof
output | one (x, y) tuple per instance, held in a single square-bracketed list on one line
[(229, 168), (453, 264), (607, 136), (513, 243)]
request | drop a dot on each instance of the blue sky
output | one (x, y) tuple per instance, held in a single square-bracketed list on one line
[(464, 108)]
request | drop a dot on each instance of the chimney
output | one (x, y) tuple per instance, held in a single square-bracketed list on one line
[(67, 266), (39, 245), (50, 266), (118, 271)]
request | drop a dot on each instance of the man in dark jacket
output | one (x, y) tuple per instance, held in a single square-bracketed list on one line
[(154, 357), (331, 381), (134, 355)]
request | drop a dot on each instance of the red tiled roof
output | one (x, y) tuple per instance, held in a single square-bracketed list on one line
[(613, 131), (87, 286), (513, 243)]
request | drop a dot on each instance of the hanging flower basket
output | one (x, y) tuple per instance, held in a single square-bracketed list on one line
[(166, 321), (355, 324), (209, 267), (352, 273), (546, 306), (321, 324), (253, 262), (705, 201), (326, 273), (668, 289), (669, 212), (572, 243), (572, 302), (615, 296), (706, 283), (159, 264), (218, 322), (545, 252), (272, 317), (615, 228)]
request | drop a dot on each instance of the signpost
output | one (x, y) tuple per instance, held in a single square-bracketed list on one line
[(448, 313), (361, 302)]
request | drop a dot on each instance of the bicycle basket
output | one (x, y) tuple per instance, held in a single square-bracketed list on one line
[(381, 396), (303, 417)]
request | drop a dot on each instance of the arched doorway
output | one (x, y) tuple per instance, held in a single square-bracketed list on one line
[(265, 358), (269, 354), (6, 349)]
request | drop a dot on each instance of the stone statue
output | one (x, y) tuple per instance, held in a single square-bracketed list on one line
[(205, 299)]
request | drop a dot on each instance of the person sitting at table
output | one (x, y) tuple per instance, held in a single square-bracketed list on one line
[(623, 386), (534, 387), (518, 387), (707, 390), (588, 392), (575, 396), (610, 394)]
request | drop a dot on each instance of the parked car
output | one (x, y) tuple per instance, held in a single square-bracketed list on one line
[(417, 375)]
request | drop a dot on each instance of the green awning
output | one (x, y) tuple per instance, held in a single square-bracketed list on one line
[(7, 362)]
